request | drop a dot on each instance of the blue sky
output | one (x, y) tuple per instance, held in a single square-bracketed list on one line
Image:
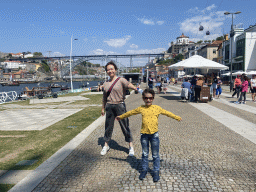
[(113, 26)]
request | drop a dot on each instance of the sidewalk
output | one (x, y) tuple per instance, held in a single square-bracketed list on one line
[(198, 154)]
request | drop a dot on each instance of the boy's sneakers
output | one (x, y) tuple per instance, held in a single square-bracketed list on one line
[(142, 175), (105, 149), (156, 176), (131, 151)]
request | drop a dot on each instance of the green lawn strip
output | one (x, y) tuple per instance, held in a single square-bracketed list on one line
[(73, 94), (5, 187), (40, 145), (93, 99), (52, 103)]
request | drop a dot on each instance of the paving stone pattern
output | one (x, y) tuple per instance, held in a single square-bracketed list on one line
[(197, 154), (32, 119)]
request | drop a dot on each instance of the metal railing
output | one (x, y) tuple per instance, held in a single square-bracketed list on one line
[(7, 96)]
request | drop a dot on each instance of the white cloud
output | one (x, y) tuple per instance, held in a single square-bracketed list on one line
[(102, 52), (210, 7), (133, 46), (57, 54), (193, 10), (211, 21), (147, 21), (145, 51), (160, 22), (118, 42)]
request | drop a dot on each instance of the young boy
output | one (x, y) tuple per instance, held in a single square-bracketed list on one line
[(149, 131)]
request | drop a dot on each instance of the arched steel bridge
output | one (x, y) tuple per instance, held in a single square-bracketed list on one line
[(79, 59)]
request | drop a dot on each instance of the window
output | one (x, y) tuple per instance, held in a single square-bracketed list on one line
[(214, 51)]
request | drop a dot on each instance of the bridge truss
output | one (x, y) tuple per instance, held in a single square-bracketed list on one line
[(76, 60)]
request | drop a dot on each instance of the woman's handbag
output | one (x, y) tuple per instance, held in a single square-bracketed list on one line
[(127, 92)]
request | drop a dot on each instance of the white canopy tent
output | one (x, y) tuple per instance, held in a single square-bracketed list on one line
[(251, 73), (239, 73), (199, 62)]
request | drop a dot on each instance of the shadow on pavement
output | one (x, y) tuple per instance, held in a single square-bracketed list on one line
[(170, 97), (113, 145)]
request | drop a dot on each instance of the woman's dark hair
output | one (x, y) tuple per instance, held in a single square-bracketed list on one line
[(111, 63), (246, 78), (151, 91)]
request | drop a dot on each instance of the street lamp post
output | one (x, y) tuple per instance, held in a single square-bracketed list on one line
[(231, 44), (71, 84), (147, 76)]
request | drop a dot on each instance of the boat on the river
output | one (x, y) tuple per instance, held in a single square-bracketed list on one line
[(64, 87), (11, 83), (54, 85), (35, 91)]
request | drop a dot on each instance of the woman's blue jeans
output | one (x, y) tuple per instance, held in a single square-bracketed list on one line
[(153, 139)]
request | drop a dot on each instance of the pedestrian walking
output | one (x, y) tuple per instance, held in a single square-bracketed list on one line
[(218, 90), (199, 84), (113, 104), (159, 84), (214, 87), (149, 131), (237, 86), (193, 85), (244, 89), (150, 82), (253, 87), (186, 84)]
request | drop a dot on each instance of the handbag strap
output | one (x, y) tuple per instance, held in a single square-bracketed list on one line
[(111, 87)]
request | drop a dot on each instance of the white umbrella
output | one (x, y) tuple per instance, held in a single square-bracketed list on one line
[(197, 61), (226, 74), (239, 73), (251, 73)]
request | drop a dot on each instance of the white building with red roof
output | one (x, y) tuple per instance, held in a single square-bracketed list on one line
[(11, 64), (17, 55)]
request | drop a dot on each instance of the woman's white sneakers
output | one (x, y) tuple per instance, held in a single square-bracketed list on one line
[(105, 149), (131, 151)]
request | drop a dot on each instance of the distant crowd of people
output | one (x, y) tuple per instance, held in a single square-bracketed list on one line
[(241, 85)]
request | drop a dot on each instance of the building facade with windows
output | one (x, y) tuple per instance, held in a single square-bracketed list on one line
[(243, 50)]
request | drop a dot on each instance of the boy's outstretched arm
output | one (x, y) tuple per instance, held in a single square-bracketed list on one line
[(170, 114)]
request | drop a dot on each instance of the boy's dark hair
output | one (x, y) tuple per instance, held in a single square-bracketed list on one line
[(110, 63), (151, 91)]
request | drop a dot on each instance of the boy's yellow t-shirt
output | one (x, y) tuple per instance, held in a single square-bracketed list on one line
[(149, 117)]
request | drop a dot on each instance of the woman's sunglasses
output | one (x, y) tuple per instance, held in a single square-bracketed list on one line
[(146, 98)]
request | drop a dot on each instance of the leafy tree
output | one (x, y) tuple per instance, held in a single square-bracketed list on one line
[(137, 70), (37, 54), (178, 58), (166, 62), (44, 67), (220, 38), (199, 42)]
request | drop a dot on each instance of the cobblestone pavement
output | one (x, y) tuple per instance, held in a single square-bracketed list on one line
[(197, 154)]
